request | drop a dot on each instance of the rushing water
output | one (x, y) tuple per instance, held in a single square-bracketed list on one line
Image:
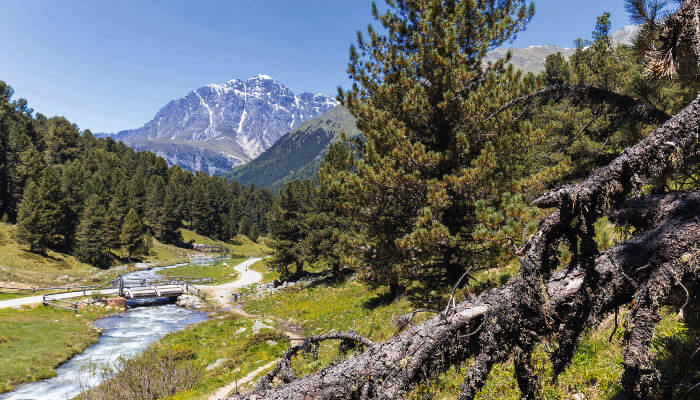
[(126, 334)]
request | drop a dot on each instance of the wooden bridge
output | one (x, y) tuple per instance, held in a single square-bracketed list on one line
[(130, 288)]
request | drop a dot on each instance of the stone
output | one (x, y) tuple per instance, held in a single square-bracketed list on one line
[(189, 301), (117, 302), (258, 325)]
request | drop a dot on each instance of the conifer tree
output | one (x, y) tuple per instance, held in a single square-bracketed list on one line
[(424, 102), (327, 227), (244, 225), (133, 236), (169, 217), (253, 233), (155, 195), (90, 242), (31, 227), (111, 231), (288, 227), (62, 141)]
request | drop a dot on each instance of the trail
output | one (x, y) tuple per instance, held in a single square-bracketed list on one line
[(218, 292), (28, 300), (222, 295)]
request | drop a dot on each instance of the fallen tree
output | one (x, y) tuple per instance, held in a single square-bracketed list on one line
[(647, 271)]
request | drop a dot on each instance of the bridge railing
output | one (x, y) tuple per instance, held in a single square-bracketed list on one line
[(47, 301)]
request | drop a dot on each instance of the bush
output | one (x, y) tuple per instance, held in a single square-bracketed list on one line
[(148, 377)]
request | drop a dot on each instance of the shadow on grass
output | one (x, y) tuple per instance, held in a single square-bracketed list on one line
[(383, 299)]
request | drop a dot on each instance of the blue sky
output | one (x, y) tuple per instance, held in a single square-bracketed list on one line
[(109, 66)]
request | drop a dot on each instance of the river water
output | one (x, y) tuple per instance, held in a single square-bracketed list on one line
[(126, 334)]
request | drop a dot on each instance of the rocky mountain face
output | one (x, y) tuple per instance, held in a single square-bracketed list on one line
[(531, 59), (298, 154), (219, 126)]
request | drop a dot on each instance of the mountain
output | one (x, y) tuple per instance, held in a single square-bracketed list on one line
[(297, 154), (219, 126), (531, 59)]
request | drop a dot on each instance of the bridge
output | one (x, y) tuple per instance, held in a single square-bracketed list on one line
[(130, 288)]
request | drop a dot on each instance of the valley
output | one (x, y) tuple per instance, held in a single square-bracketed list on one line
[(501, 200)]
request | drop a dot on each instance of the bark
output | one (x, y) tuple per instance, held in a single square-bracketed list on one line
[(392, 367), (543, 301)]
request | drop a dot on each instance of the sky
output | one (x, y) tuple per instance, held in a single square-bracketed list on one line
[(111, 65)]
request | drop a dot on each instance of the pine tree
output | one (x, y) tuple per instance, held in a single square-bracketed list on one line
[(155, 195), (31, 228), (62, 141), (328, 228), (111, 231), (288, 220), (169, 218), (90, 243), (244, 225), (424, 103), (133, 236)]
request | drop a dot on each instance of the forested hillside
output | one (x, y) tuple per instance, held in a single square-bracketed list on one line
[(69, 191), (297, 154)]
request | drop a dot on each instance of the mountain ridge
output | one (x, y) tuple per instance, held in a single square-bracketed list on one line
[(219, 126), (298, 153)]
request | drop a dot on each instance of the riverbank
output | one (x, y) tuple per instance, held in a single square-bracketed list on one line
[(34, 341), (229, 349)]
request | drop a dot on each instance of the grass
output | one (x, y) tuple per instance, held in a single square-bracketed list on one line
[(594, 372), (219, 272), (19, 267), (34, 341), (263, 267), (226, 344), (162, 254), (246, 248), (327, 306), (322, 307)]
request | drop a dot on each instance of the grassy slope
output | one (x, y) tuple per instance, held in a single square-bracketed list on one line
[(595, 370), (18, 265), (33, 342), (298, 153), (218, 339), (247, 248), (321, 308), (219, 272)]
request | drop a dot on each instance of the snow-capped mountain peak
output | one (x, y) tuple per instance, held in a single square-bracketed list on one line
[(238, 119)]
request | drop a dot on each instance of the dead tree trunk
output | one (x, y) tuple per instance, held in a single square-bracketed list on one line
[(542, 301)]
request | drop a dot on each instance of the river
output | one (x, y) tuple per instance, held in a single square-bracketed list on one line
[(125, 334)]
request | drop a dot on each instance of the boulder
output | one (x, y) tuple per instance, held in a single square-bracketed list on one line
[(189, 301), (119, 302)]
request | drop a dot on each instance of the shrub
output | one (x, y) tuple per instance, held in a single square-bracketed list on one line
[(148, 377)]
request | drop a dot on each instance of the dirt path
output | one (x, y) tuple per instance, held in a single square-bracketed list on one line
[(27, 300), (222, 294)]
